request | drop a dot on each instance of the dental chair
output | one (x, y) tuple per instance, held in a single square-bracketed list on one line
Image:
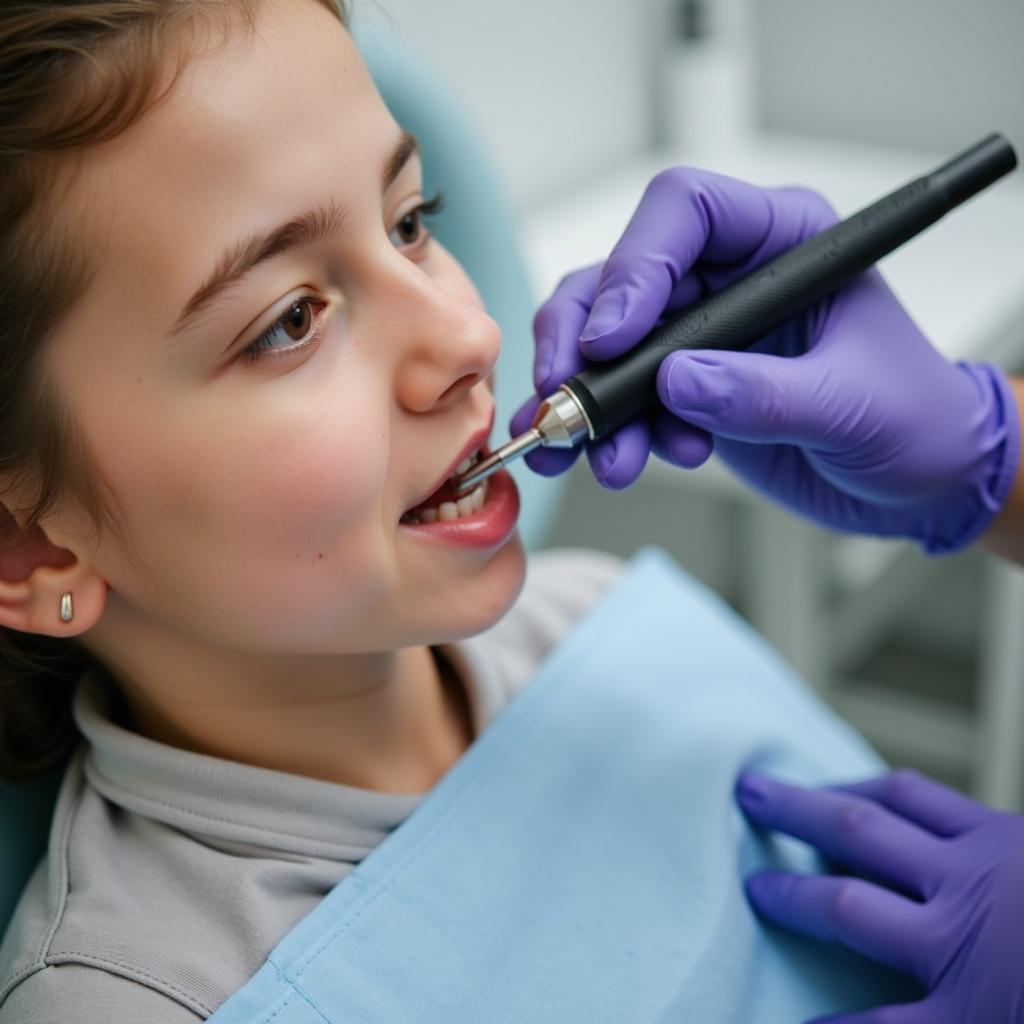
[(478, 227)]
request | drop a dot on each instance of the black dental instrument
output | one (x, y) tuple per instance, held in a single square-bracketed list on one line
[(605, 395)]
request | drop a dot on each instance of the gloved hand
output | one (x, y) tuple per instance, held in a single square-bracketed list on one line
[(863, 427), (945, 900)]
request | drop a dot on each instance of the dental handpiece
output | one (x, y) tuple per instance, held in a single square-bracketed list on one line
[(605, 395)]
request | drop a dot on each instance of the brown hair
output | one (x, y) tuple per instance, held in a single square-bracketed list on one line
[(73, 73)]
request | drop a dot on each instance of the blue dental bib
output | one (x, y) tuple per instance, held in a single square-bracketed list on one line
[(583, 860)]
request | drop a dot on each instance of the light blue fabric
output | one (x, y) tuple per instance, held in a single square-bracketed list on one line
[(583, 860), (479, 227)]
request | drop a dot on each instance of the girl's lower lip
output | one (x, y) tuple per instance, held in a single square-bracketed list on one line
[(492, 525)]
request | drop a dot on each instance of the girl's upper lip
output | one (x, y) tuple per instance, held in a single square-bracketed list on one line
[(476, 440)]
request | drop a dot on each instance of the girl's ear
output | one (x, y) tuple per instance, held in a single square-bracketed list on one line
[(35, 574)]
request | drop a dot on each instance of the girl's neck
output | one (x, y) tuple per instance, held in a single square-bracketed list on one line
[(393, 723)]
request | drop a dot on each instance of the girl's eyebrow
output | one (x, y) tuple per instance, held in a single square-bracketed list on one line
[(322, 220)]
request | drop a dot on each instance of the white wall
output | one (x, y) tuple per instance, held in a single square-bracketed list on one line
[(932, 74), (560, 89)]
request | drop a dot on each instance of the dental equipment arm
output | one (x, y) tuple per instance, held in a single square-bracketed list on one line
[(937, 889), (844, 412)]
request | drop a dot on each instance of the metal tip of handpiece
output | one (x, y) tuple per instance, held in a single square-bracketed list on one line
[(499, 457)]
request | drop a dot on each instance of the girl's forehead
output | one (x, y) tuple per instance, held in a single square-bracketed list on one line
[(299, 64), (285, 92), (265, 111), (268, 122)]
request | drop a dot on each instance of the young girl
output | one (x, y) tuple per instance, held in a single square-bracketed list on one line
[(237, 373)]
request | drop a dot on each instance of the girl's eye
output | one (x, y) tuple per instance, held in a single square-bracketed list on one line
[(294, 324), (410, 229)]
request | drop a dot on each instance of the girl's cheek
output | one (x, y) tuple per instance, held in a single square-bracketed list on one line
[(315, 475), (342, 484)]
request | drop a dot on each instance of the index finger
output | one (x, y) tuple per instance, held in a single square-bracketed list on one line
[(856, 832), (685, 215)]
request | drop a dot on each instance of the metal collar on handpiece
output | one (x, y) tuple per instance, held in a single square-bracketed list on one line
[(560, 422)]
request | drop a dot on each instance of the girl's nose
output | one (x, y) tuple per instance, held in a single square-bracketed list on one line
[(449, 344)]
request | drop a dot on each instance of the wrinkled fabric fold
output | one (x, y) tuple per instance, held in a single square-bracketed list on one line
[(583, 861)]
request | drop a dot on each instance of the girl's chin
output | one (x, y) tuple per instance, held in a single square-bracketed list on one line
[(472, 602)]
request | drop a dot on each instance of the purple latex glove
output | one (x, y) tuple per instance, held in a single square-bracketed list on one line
[(865, 427), (944, 902)]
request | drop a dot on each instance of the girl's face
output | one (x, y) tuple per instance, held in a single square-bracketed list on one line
[(264, 452)]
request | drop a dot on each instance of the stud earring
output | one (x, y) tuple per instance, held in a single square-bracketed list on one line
[(65, 608)]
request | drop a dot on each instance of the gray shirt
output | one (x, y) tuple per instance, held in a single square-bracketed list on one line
[(171, 875)]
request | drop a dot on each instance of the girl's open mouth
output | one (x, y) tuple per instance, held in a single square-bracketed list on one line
[(483, 518), (446, 504)]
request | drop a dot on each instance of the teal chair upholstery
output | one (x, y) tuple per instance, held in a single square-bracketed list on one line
[(25, 812), (479, 228)]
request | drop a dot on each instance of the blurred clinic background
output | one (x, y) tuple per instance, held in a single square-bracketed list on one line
[(580, 102)]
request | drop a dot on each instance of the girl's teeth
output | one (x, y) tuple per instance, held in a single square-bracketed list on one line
[(467, 463), (467, 505)]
